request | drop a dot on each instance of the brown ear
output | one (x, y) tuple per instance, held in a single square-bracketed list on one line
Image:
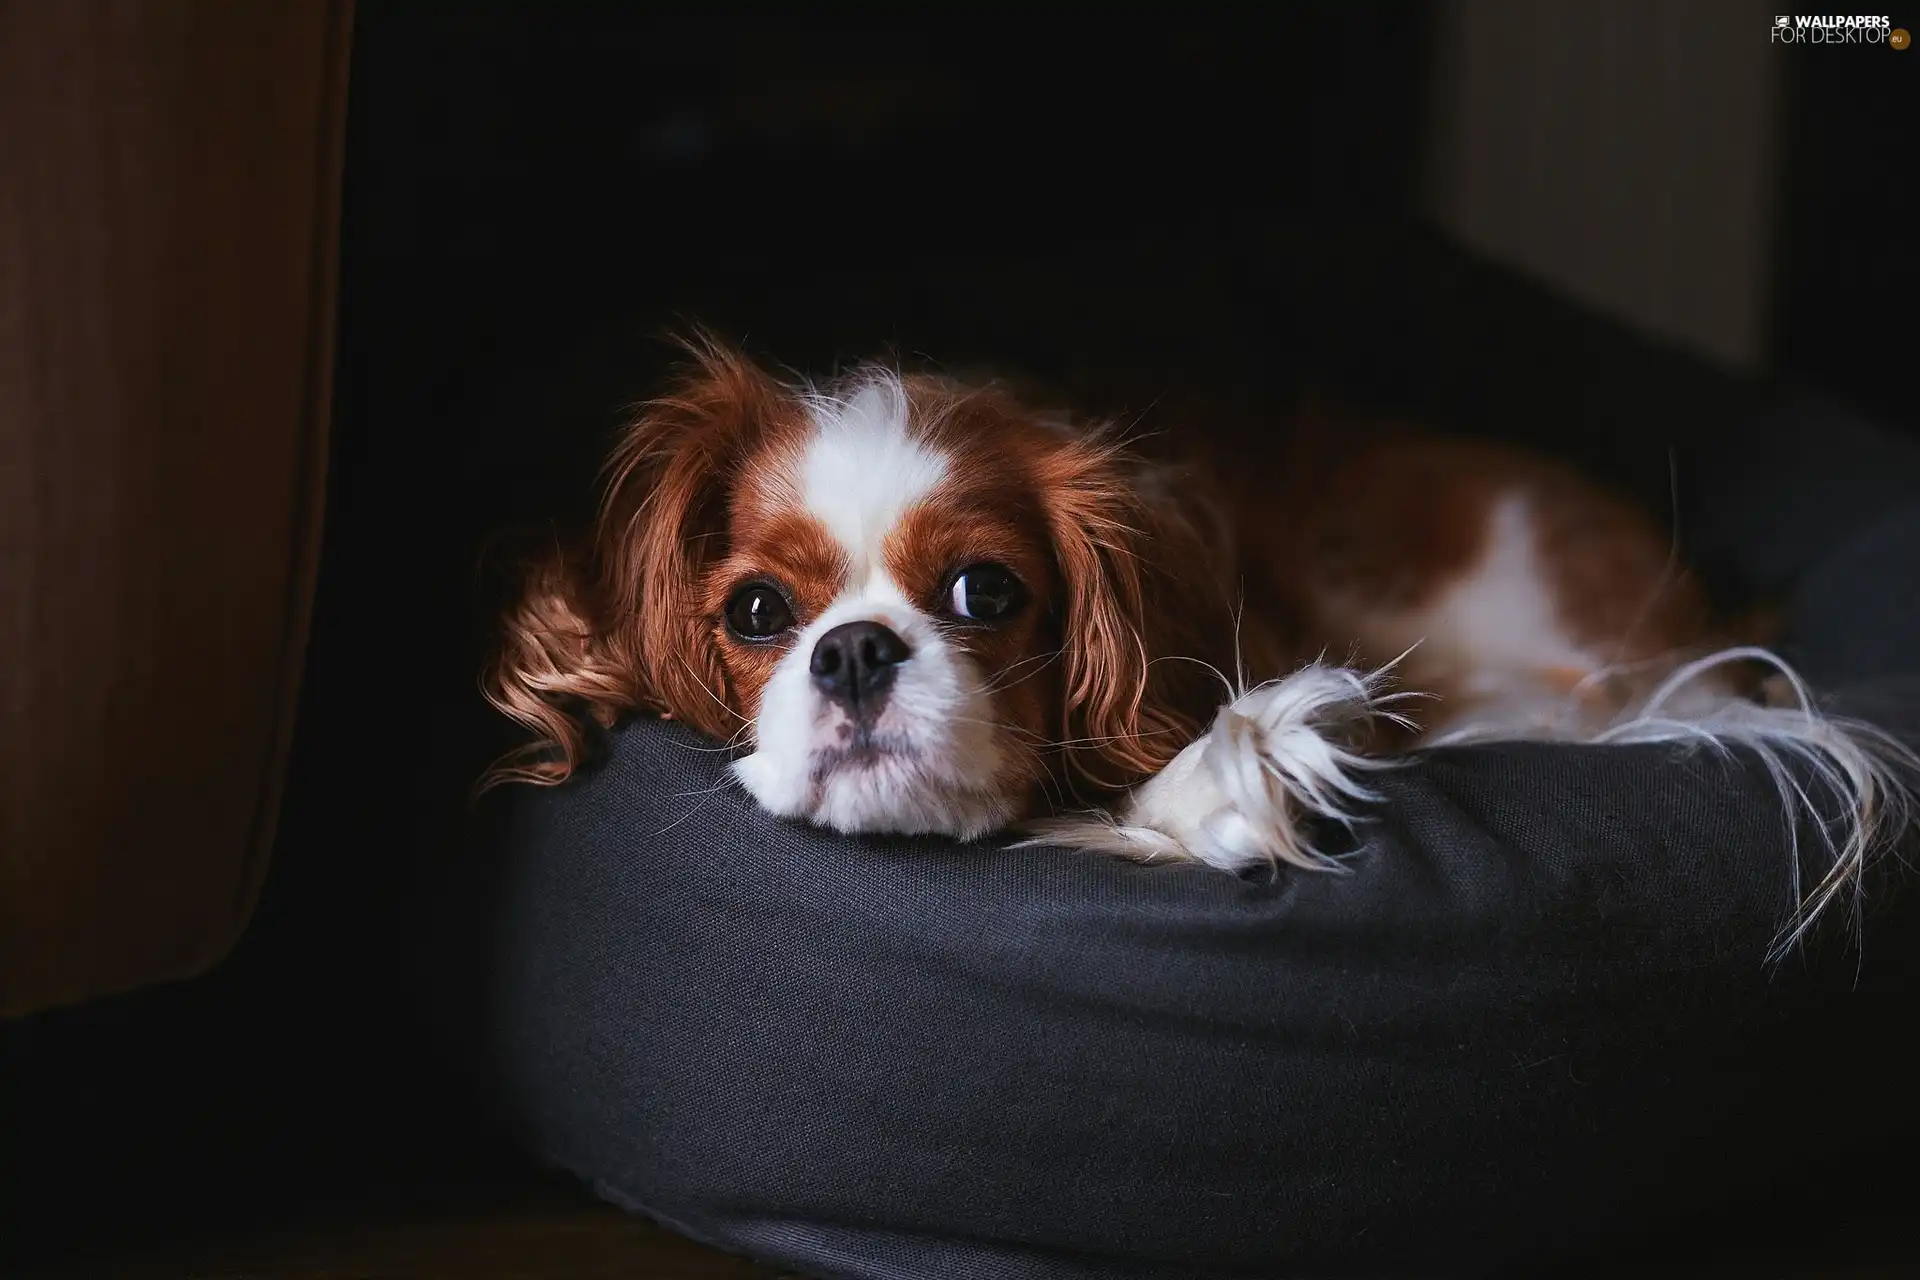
[(664, 520), (1144, 624), (551, 672), (621, 626)]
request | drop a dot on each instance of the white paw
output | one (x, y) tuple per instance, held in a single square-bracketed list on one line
[(1239, 795)]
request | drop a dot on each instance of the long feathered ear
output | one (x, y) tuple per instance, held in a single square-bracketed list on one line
[(619, 625), (664, 520), (1145, 628)]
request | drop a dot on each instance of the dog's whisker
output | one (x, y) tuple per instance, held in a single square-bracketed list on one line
[(703, 796), (1050, 659), (731, 744), (717, 700)]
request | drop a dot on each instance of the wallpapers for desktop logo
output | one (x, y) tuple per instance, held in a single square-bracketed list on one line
[(1842, 28)]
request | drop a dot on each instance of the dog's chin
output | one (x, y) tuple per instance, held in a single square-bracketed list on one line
[(874, 786)]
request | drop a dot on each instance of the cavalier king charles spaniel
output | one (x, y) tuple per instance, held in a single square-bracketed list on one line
[(918, 605)]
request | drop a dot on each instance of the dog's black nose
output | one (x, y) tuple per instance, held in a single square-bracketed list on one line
[(855, 662)]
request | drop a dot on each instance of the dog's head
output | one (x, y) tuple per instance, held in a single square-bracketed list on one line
[(916, 605)]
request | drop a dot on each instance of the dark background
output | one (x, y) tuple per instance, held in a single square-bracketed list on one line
[(534, 195)]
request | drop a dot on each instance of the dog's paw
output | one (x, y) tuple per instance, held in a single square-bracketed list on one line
[(1245, 793)]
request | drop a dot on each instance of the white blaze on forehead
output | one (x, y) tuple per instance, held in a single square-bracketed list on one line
[(863, 470)]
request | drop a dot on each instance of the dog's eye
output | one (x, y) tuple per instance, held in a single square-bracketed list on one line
[(758, 612), (985, 593)]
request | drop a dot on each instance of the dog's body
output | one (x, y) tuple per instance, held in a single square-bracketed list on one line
[(924, 606)]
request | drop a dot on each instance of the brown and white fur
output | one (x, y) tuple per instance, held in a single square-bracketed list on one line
[(1159, 687)]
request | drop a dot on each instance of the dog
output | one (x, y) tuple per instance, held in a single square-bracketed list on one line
[(919, 604)]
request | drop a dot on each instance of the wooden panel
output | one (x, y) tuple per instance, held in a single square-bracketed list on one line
[(1623, 153), (590, 1242), (168, 198)]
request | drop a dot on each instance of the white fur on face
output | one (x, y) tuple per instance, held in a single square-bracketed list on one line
[(863, 470), (939, 755)]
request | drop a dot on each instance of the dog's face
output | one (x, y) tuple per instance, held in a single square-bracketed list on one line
[(917, 606), (887, 613)]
